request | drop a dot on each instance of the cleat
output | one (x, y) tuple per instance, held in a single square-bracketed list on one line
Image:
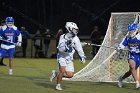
[(58, 87), (120, 83), (10, 72), (137, 86), (53, 75)]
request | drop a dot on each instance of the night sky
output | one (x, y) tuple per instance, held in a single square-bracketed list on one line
[(53, 14)]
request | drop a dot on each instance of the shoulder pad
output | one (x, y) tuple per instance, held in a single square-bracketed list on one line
[(14, 27), (138, 36), (3, 27)]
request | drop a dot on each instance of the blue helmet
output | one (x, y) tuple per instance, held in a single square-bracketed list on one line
[(9, 19), (132, 26)]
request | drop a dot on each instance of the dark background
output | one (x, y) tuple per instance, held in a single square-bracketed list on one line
[(53, 14)]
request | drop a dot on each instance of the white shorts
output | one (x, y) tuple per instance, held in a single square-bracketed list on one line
[(67, 63)]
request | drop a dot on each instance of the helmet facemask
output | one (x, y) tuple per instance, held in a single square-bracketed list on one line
[(10, 24), (9, 21), (74, 32), (133, 29), (72, 28), (133, 33)]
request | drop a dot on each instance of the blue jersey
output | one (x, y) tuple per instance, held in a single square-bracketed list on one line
[(10, 34), (133, 45)]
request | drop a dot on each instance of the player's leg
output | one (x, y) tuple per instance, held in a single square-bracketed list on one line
[(66, 69), (1, 62), (53, 75), (2, 55), (67, 74), (121, 78), (132, 71), (59, 77), (11, 55), (10, 66), (69, 70), (133, 66)]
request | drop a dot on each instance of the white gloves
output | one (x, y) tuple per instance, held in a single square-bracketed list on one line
[(18, 43), (0, 38), (119, 48), (83, 61)]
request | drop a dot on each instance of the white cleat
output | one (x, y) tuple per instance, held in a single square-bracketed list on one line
[(53, 75), (58, 87), (10, 72), (137, 86), (120, 83)]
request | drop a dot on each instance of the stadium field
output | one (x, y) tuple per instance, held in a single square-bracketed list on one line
[(32, 76)]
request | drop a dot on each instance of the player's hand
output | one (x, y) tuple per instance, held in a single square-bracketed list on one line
[(69, 43), (83, 44), (69, 49), (0, 38), (83, 60), (118, 47), (18, 44)]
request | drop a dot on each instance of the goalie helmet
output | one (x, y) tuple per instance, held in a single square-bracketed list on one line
[(72, 28), (133, 29), (9, 21)]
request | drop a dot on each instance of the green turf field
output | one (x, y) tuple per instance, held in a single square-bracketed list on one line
[(32, 76)]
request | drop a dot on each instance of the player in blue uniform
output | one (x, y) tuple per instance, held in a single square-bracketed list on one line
[(10, 37), (132, 41)]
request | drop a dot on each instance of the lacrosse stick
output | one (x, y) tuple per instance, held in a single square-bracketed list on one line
[(7, 41), (84, 43)]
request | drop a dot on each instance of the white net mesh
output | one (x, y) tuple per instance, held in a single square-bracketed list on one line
[(108, 64)]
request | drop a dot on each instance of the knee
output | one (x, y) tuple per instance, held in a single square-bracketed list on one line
[(70, 75), (132, 67)]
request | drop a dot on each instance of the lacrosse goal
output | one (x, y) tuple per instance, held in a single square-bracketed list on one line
[(108, 64)]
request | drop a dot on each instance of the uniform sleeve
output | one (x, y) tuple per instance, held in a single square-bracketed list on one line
[(19, 36), (0, 31), (78, 47), (124, 43), (61, 46), (2, 28)]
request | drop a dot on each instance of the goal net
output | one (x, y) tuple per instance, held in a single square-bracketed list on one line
[(108, 65)]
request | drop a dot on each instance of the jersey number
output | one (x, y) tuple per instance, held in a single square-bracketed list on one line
[(135, 49), (10, 38)]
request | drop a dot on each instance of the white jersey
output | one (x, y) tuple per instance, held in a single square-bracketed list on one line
[(62, 48)]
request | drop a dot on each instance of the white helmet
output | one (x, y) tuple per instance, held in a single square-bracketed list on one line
[(72, 28)]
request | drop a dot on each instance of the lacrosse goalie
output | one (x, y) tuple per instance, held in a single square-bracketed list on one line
[(132, 41)]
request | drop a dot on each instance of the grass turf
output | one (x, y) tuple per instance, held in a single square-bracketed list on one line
[(32, 76)]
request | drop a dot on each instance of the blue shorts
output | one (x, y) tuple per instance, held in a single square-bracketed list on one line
[(10, 52), (136, 58)]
